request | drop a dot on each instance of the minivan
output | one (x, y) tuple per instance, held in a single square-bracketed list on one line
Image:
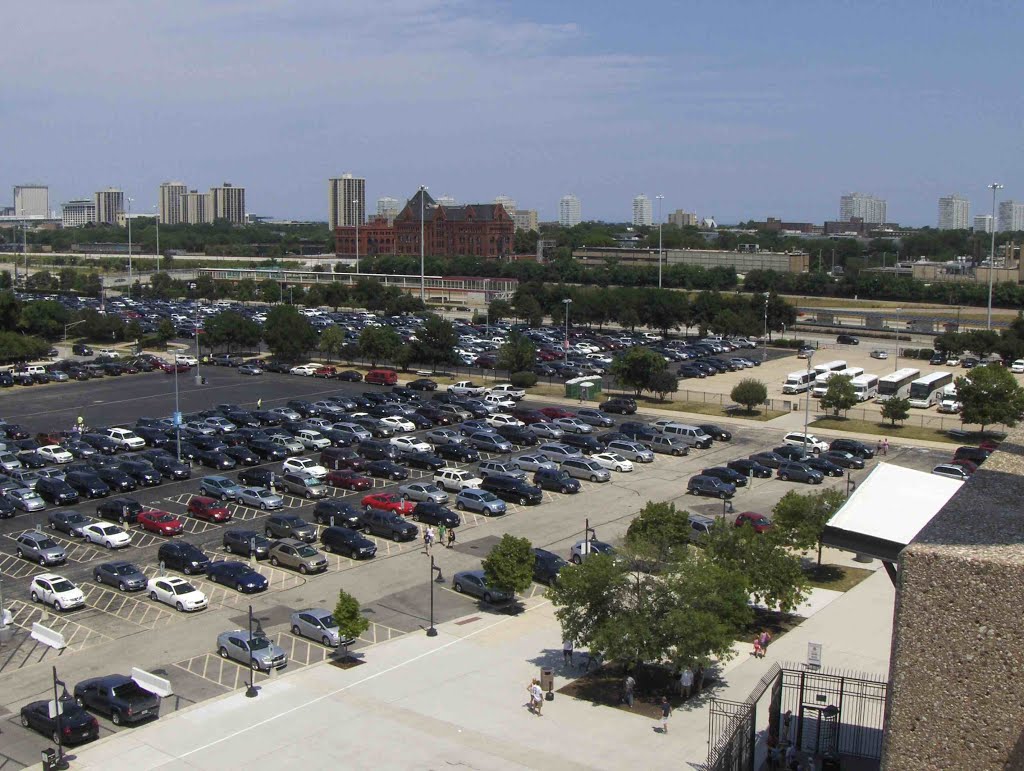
[(692, 435), (381, 377), (700, 527), (584, 468)]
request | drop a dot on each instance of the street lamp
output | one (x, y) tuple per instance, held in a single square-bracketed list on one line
[(992, 252), (128, 220), (568, 302), (157, 220), (68, 326), (423, 281), (58, 707), (896, 355), (432, 632), (764, 344), (807, 403), (355, 202), (177, 409), (660, 199), (251, 691)]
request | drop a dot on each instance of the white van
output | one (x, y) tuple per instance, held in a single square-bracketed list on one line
[(34, 369), (798, 382), (692, 435)]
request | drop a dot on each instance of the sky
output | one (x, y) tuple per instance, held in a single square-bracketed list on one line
[(736, 110)]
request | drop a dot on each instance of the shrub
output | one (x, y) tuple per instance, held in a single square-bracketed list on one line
[(523, 379)]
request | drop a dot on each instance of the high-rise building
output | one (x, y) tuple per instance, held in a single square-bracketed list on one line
[(983, 223), (954, 213), (868, 208), (74, 214), (642, 211), (447, 200), (228, 203), (169, 202), (32, 201), (109, 206), (346, 201), (683, 219), (525, 219), (387, 209), (1011, 216), (509, 203), (569, 215), (196, 208)]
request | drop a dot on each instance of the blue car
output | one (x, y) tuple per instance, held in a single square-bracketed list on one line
[(238, 575)]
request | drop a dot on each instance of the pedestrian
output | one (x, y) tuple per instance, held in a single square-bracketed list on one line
[(567, 652), (259, 403), (787, 720), (686, 683), (451, 537), (698, 680), (885, 446), (536, 696), (791, 757), (629, 687), (764, 639), (878, 448), (431, 537), (666, 710), (442, 531), (758, 651)]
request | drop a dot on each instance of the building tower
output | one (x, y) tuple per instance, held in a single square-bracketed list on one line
[(228, 203), (954, 213), (569, 211), (346, 201), (32, 201), (983, 223), (169, 202), (642, 211), (387, 209), (870, 209), (509, 203), (109, 206), (196, 208), (1011, 216)]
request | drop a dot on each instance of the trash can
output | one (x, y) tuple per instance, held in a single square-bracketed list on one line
[(547, 682)]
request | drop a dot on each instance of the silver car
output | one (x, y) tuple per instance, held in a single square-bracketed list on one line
[(39, 548), (443, 436), (585, 468), (318, 624), (633, 451), (25, 499), (423, 491), (546, 430), (256, 652), (260, 498), (532, 462)]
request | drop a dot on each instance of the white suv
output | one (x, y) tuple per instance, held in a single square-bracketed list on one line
[(55, 590), (307, 465), (454, 479), (800, 439), (126, 439)]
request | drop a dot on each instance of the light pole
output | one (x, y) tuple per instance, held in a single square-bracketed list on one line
[(128, 220), (177, 409), (355, 202), (251, 691), (764, 344), (58, 706), (660, 199), (807, 403), (992, 252), (157, 220), (568, 302), (432, 632), (68, 326), (423, 280), (896, 355)]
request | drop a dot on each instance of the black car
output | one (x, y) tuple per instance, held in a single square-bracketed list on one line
[(386, 469), (56, 491), (242, 418), (585, 442), (183, 556), (32, 460), (267, 450), (748, 467), (620, 404), (457, 452), (335, 512), (188, 451), (208, 443), (387, 524), (474, 407), (345, 540), (76, 725), (512, 489), (791, 452), (716, 432), (304, 408), (168, 465), (142, 472), (216, 459), (847, 340), (372, 449), (434, 415), (727, 474), (80, 349), (122, 510), (349, 376), (638, 432), (546, 566), (613, 436), (768, 458), (557, 480), (7, 509), (236, 574), (87, 484), (843, 458), (518, 435), (423, 384), (853, 447), (101, 443), (267, 418), (257, 477), (242, 455), (431, 513), (423, 460), (418, 420), (246, 543), (690, 370), (937, 358), (151, 435), (825, 466), (14, 431)]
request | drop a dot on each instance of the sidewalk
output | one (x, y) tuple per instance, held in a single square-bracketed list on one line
[(420, 702)]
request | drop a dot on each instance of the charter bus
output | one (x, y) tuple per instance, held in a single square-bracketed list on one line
[(925, 391), (896, 385), (829, 366), (821, 381), (866, 387)]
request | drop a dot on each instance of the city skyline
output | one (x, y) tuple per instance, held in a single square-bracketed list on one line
[(744, 130)]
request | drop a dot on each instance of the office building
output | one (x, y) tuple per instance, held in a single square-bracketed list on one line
[(569, 211), (169, 202), (109, 206), (346, 201), (196, 208), (866, 207), (983, 223), (525, 219), (642, 211), (74, 214), (509, 203), (228, 203), (387, 209), (683, 219), (1011, 216), (954, 213), (32, 201)]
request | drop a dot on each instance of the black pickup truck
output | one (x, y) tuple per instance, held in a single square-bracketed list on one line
[(118, 696)]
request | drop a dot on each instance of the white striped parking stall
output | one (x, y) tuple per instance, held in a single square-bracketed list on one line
[(16, 567), (134, 608)]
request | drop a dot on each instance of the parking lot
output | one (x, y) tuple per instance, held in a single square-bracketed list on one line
[(115, 631)]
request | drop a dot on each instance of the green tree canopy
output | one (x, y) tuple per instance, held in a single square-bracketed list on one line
[(435, 342), (800, 518), (498, 310), (347, 615), (528, 309), (44, 318), (379, 344), (332, 340), (518, 354), (231, 329), (288, 333), (896, 409), (509, 566), (635, 368), (990, 394), (840, 395), (749, 393), (660, 533)]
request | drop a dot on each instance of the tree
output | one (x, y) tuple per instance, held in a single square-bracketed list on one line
[(895, 409), (435, 342), (269, 291), (509, 566), (528, 309), (800, 519), (347, 615), (332, 340), (518, 354), (839, 395), (990, 394), (498, 310), (288, 333), (635, 368), (10, 309), (229, 328), (660, 532), (749, 393), (165, 331), (45, 318), (18, 347), (664, 383), (379, 344)]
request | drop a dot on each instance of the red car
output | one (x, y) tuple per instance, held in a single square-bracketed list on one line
[(209, 509), (325, 371), (756, 520), (348, 480), (389, 502), (989, 444), (171, 367), (967, 465), (529, 416), (159, 522), (556, 412)]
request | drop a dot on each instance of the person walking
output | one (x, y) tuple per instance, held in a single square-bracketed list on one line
[(567, 652), (428, 538), (885, 446), (451, 538), (666, 711), (686, 683), (878, 447), (442, 531), (629, 687), (536, 697), (758, 651), (764, 639), (259, 403)]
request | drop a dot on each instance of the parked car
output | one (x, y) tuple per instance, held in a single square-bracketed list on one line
[(805, 441), (583, 549), (952, 472), (726, 474), (253, 651), (40, 548), (107, 535), (388, 502), (318, 624), (512, 489), (179, 555), (75, 726), (619, 404), (750, 468), (387, 524), (289, 526), (853, 446), (208, 509), (759, 522), (297, 555), (71, 522), (479, 501), (431, 513), (799, 472), (260, 498), (702, 484), (56, 591), (630, 450), (126, 576), (825, 466), (585, 468), (472, 582), (219, 487), (423, 491), (556, 480), (303, 485), (118, 696), (247, 543), (159, 522), (546, 566), (237, 574)]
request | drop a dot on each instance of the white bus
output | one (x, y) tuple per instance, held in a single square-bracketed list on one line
[(829, 366), (798, 382), (925, 391), (821, 381), (852, 372), (896, 385), (866, 387)]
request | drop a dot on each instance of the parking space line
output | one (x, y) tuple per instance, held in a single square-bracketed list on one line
[(16, 567), (132, 608), (76, 635)]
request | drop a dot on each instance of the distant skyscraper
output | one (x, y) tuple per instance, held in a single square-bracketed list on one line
[(1011, 216), (388, 208), (31, 201), (525, 219), (228, 203), (569, 211), (954, 213), (446, 200), (169, 203), (683, 219), (983, 223), (509, 203), (109, 206), (346, 201), (196, 208), (866, 207), (642, 211), (74, 214)]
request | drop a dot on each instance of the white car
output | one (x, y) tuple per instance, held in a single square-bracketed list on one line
[(313, 440), (612, 461), (1017, 367), (507, 389), (182, 358), (398, 423), (55, 590), (106, 534), (499, 419), (454, 479), (308, 465), (55, 453), (499, 401), (410, 444), (306, 370), (126, 439), (800, 439), (176, 592)]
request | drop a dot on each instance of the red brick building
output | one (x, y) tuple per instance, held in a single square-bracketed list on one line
[(480, 230)]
